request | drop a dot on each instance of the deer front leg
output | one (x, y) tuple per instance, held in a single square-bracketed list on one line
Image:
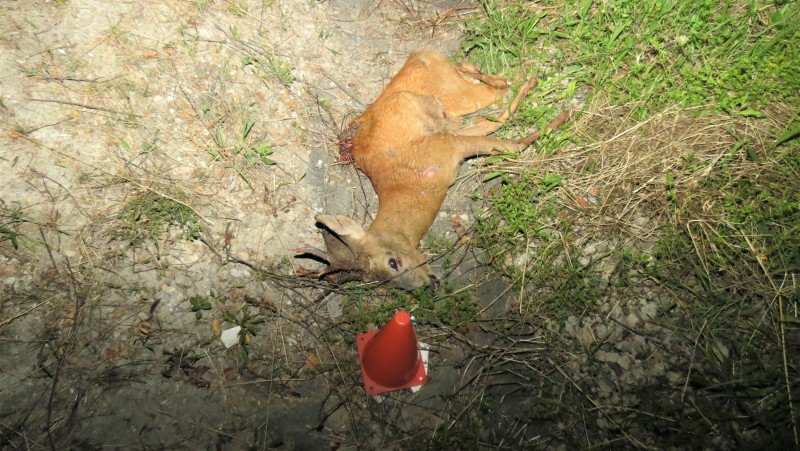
[(473, 146), (470, 146), (560, 120)]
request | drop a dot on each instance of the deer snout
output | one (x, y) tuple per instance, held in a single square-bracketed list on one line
[(418, 277)]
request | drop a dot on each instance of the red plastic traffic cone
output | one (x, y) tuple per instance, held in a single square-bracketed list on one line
[(390, 358)]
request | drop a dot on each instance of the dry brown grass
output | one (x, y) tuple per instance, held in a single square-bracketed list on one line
[(620, 172)]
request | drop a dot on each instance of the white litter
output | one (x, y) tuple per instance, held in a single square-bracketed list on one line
[(230, 336), (423, 350)]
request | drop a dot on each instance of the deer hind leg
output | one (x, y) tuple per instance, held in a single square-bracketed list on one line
[(461, 95), (460, 90), (483, 126), (474, 71)]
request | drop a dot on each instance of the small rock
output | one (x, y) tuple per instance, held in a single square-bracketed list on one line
[(635, 345), (623, 360), (603, 388), (601, 330), (630, 400), (656, 369), (649, 311), (595, 248), (585, 335), (570, 325), (240, 273), (630, 320)]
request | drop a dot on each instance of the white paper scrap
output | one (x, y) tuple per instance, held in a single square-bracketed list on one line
[(230, 336), (423, 350)]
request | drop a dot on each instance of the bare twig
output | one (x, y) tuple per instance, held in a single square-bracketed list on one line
[(344, 89), (82, 105)]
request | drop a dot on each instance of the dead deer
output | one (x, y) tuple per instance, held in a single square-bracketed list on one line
[(409, 143)]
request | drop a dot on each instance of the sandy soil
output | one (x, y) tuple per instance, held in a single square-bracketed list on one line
[(104, 102)]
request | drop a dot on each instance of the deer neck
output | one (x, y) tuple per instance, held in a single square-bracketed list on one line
[(407, 211)]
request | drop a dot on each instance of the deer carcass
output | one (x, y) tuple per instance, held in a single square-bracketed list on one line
[(409, 143)]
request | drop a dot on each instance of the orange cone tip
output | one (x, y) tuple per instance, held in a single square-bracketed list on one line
[(390, 358)]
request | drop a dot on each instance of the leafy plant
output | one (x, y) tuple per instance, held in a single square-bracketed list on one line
[(10, 220), (253, 153), (7, 234), (444, 308), (200, 303), (262, 152)]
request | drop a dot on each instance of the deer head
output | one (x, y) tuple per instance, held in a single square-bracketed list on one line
[(356, 254)]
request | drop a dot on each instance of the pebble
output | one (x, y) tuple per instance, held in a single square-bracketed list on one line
[(240, 273)]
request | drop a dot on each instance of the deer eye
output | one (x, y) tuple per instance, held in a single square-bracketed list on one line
[(393, 263)]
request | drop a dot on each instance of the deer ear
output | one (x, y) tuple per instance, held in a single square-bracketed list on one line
[(344, 241), (348, 230)]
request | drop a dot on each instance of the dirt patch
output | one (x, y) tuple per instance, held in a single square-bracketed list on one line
[(227, 112)]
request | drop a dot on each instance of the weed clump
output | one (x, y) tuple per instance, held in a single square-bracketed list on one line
[(147, 217), (9, 223), (522, 203)]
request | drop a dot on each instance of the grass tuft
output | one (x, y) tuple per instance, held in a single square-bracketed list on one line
[(147, 217)]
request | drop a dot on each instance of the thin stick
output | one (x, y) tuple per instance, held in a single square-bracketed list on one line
[(344, 89), (8, 321), (81, 105), (49, 251)]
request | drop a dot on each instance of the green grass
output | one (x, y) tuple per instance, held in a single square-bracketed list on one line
[(730, 56), (273, 68), (523, 206), (731, 275), (238, 139), (749, 237)]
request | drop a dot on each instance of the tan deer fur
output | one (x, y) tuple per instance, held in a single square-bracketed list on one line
[(409, 143)]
